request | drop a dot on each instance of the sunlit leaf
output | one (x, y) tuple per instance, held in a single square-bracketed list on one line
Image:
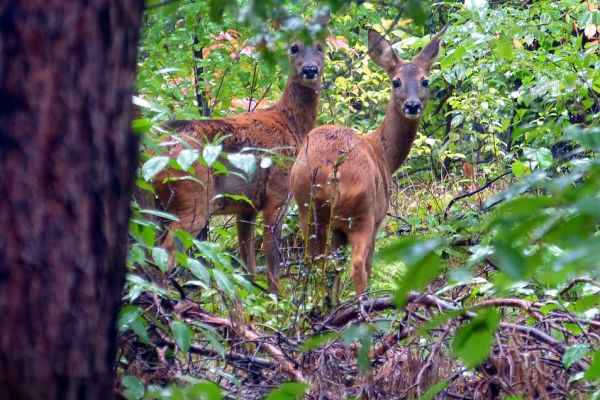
[(187, 157), (210, 153), (153, 166), (244, 162)]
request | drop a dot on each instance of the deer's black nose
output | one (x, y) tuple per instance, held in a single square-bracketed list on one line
[(309, 71), (412, 107)]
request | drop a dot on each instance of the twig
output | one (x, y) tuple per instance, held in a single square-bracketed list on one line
[(474, 192), (576, 281)]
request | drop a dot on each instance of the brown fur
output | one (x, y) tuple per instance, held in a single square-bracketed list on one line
[(280, 128), (347, 175)]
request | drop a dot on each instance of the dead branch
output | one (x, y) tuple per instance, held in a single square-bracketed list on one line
[(229, 356), (195, 313), (474, 192), (576, 281)]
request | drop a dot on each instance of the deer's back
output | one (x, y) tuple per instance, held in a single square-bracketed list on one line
[(269, 129), (265, 129)]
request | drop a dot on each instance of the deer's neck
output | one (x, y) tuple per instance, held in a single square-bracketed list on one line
[(395, 137), (299, 105)]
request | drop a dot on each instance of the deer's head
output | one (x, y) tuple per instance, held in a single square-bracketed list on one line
[(307, 60), (409, 79)]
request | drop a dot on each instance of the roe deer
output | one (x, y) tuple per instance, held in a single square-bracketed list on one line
[(280, 128), (340, 179)]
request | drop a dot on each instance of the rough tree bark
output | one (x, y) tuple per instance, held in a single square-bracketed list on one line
[(67, 163)]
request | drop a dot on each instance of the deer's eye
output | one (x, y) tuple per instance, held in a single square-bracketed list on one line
[(396, 83), (425, 82), (319, 47), (294, 49)]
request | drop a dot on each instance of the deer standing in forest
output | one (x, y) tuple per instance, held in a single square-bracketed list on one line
[(281, 129), (341, 179)]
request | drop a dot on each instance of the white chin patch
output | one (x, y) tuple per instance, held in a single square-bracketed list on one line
[(412, 116)]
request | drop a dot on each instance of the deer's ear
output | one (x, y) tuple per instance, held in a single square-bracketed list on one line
[(427, 56), (322, 16), (381, 52)]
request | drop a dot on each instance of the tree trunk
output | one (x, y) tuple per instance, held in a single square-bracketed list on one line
[(67, 163)]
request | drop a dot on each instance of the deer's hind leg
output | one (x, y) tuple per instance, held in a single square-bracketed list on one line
[(361, 241), (245, 224), (313, 229), (189, 202)]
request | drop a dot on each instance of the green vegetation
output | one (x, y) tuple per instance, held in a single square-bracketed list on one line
[(493, 218)]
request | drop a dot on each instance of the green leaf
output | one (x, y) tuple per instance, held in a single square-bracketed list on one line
[(199, 270), (223, 282), (423, 265), (416, 11), (204, 391), (126, 316), (318, 340), (519, 169), (182, 333), (510, 261), (141, 125), (187, 157), (210, 153), (244, 162), (593, 372), (136, 255), (589, 138), (434, 390), (161, 258), (161, 214), (504, 48), (134, 388), (153, 166), (473, 341), (211, 335), (216, 9), (212, 252), (139, 328), (574, 354), (289, 391), (542, 156)]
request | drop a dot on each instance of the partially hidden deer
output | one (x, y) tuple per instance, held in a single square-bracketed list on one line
[(281, 129), (341, 179)]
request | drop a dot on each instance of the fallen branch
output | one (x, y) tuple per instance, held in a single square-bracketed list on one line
[(342, 317), (576, 281), (194, 312), (229, 356)]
